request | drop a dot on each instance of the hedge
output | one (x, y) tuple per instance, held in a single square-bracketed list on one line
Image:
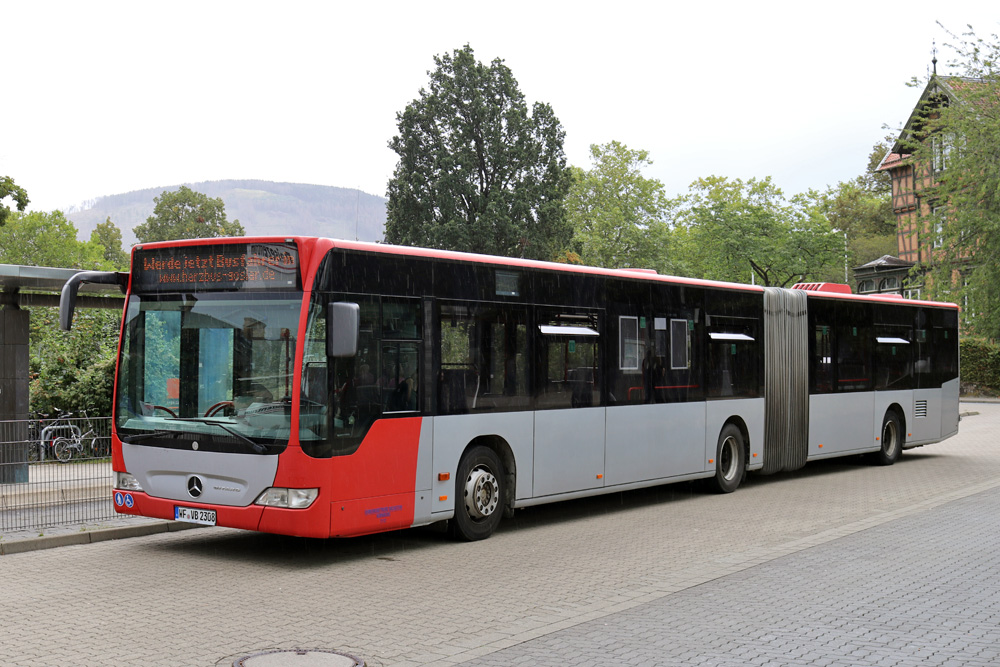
[(980, 365)]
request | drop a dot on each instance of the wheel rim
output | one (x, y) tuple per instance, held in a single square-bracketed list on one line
[(890, 438), (482, 493), (728, 458)]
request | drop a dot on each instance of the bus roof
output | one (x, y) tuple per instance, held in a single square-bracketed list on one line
[(324, 244)]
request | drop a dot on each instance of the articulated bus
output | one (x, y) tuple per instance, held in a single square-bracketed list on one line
[(320, 388)]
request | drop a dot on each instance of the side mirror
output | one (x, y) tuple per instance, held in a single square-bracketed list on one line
[(343, 325), (67, 299)]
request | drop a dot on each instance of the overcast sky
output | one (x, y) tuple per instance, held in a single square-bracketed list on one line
[(102, 98)]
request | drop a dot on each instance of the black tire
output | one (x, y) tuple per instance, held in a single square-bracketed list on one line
[(891, 439), (730, 460), (100, 447), (479, 495), (63, 449)]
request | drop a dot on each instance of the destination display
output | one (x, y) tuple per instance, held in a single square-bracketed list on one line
[(231, 266)]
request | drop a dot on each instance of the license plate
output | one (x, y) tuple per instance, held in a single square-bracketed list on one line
[(192, 515)]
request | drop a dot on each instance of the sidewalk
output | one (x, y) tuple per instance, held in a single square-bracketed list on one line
[(20, 541)]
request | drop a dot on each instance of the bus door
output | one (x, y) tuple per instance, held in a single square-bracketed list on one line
[(569, 405)]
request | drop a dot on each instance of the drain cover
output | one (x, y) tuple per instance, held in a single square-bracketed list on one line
[(299, 658)]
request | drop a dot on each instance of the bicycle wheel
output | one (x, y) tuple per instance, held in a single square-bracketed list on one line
[(63, 448), (100, 447)]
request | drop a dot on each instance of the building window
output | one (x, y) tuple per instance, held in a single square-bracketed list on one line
[(888, 284), (866, 286), (937, 213), (941, 147)]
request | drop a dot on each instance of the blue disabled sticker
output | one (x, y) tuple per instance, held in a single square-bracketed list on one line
[(119, 498), (129, 501)]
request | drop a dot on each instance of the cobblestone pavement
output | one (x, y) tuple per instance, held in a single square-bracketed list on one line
[(922, 590), (841, 561)]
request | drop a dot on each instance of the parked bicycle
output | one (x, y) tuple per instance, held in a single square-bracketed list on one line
[(81, 444), (44, 434)]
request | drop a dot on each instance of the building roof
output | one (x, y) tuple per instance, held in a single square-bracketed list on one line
[(885, 262), (951, 88)]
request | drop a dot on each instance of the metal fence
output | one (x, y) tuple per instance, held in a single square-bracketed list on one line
[(54, 472)]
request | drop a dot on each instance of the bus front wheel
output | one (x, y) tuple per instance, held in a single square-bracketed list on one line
[(730, 460), (479, 494)]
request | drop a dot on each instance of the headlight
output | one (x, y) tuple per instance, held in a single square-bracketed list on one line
[(126, 482), (296, 499)]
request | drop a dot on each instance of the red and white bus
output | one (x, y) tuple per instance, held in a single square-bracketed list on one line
[(317, 387)]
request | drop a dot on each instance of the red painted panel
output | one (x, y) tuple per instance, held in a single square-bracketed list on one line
[(351, 518), (365, 492)]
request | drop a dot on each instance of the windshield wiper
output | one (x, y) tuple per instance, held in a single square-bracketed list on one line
[(133, 439), (256, 446)]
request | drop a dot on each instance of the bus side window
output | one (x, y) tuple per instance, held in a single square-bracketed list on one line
[(567, 362), (822, 360), (733, 352), (483, 360)]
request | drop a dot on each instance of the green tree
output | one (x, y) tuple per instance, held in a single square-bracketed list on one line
[(477, 172), (961, 142), (107, 235), (619, 217), (10, 189), (732, 230), (46, 239), (186, 214), (68, 370)]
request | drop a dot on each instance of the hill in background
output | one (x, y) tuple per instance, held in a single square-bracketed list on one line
[(264, 208)]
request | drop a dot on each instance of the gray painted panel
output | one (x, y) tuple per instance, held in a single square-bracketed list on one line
[(569, 450), (230, 479), (423, 504), (928, 428), (647, 442), (841, 423), (949, 408)]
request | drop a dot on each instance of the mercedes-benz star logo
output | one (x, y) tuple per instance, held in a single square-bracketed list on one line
[(195, 486)]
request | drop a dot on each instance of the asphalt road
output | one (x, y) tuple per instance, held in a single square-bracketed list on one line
[(841, 563)]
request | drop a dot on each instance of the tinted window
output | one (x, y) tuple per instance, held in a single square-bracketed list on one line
[(482, 358), (568, 360)]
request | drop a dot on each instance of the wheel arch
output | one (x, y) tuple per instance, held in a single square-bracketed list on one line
[(739, 423), (901, 416)]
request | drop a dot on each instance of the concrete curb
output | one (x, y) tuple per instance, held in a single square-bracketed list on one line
[(92, 536)]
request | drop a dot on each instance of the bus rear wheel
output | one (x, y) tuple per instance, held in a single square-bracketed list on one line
[(479, 494), (730, 460), (891, 439)]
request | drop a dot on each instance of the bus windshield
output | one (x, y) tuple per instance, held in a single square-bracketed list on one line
[(208, 371)]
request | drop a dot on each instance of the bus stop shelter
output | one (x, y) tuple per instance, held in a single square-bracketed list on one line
[(22, 288)]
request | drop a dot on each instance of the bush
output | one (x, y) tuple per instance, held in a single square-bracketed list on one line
[(980, 366)]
